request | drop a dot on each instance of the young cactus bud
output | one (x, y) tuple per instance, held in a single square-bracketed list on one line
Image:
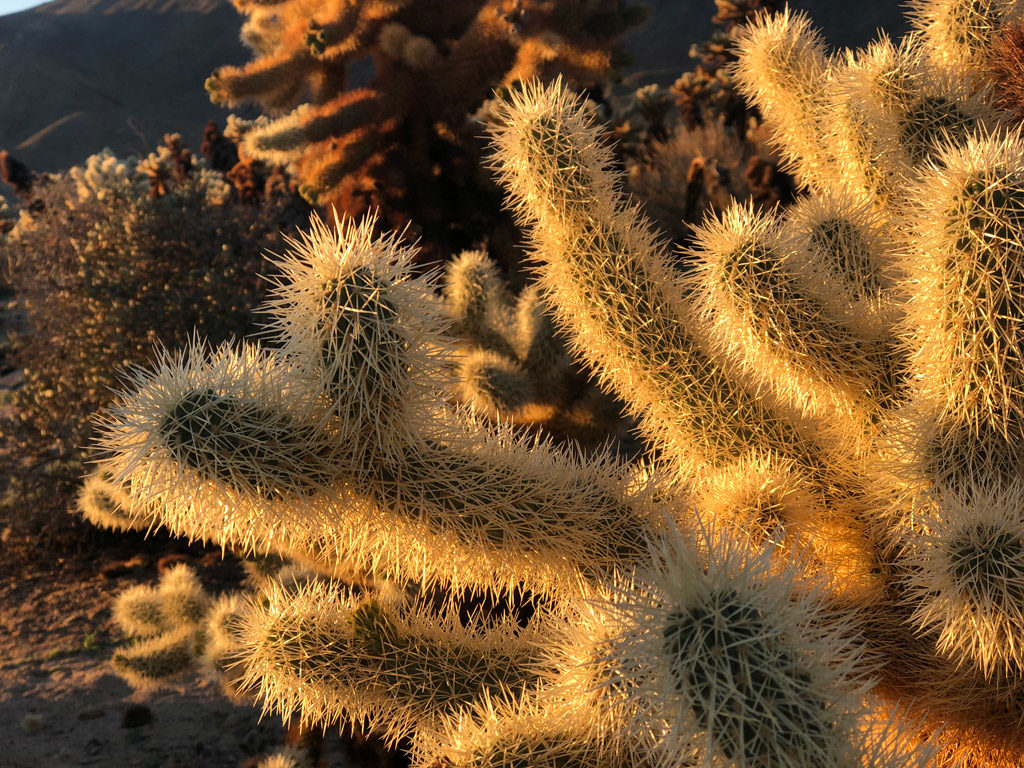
[(105, 504), (183, 601), (845, 253), (221, 658), (352, 317), (494, 385), (139, 611), (537, 346), (785, 343)]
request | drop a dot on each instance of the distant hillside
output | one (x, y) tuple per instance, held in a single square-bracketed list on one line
[(79, 75)]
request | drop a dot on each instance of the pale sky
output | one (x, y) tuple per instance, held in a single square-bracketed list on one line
[(10, 6)]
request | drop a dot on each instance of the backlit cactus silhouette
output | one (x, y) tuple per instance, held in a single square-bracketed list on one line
[(822, 563), (395, 133)]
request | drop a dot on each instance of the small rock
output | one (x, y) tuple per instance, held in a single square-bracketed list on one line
[(32, 723), (136, 715), (135, 737), (90, 714)]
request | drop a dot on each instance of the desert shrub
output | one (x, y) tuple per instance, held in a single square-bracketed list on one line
[(108, 261)]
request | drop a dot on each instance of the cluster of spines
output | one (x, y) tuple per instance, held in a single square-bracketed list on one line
[(722, 664), (960, 437), (345, 450), (403, 669)]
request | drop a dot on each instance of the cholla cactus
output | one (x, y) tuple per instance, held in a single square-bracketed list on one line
[(168, 622), (513, 366), (356, 140), (107, 178), (104, 177), (825, 566)]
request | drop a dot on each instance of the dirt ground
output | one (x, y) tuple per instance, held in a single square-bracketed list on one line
[(62, 706)]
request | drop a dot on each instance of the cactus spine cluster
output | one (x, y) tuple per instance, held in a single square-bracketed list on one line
[(824, 564)]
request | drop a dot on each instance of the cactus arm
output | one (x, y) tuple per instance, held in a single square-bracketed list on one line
[(279, 141), (319, 653), (960, 34), (613, 288), (275, 81), (784, 71)]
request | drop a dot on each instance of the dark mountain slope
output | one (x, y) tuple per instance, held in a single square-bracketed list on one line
[(78, 75)]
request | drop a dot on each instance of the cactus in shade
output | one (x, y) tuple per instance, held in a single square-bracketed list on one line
[(167, 622), (396, 135), (512, 365), (822, 562)]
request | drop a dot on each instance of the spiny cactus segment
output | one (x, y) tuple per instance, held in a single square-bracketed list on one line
[(513, 366)]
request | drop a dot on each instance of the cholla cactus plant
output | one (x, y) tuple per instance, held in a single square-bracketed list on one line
[(512, 365), (167, 621), (824, 566), (105, 177), (357, 136)]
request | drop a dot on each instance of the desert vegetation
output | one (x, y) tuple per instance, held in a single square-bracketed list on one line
[(716, 462)]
